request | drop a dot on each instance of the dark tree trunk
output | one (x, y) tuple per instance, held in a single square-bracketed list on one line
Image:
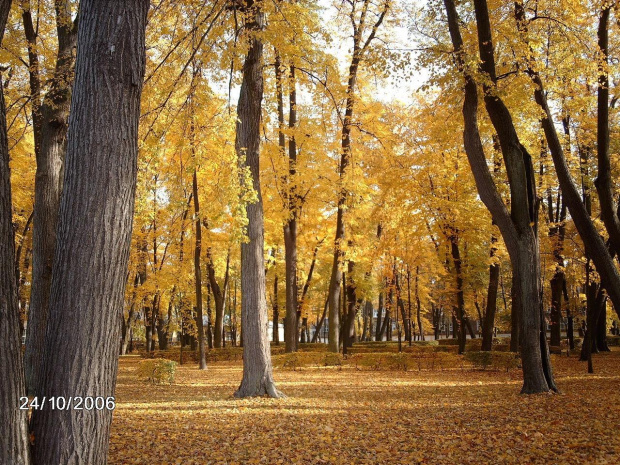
[(359, 48), (379, 317), (290, 264), (14, 445), (595, 301), (418, 305), (276, 313), (489, 314), (219, 295), (317, 331), (603, 182), (366, 325), (257, 369), (50, 120), (198, 275), (518, 227), (460, 301), (594, 244), (406, 327), (209, 318), (291, 322), (94, 232)]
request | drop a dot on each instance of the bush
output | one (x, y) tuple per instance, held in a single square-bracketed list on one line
[(157, 371), (295, 360), (448, 342), (501, 348), (613, 341), (497, 360), (473, 344)]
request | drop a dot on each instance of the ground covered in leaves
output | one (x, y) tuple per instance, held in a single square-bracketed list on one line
[(343, 415)]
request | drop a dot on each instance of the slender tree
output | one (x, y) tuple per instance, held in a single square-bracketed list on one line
[(94, 232)]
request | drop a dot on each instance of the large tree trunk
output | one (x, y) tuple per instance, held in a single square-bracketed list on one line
[(51, 117), (14, 446), (257, 369), (94, 232)]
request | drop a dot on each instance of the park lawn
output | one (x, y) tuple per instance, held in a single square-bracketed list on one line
[(348, 416)]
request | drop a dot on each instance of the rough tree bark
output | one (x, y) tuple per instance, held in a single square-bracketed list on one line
[(50, 120), (14, 446), (94, 232), (257, 369)]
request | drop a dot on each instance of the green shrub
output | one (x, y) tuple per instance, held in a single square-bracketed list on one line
[(479, 359), (157, 370)]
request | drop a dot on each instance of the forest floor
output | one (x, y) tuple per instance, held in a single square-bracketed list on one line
[(347, 416)]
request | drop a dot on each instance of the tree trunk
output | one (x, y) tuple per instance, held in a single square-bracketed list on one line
[(489, 314), (94, 232), (519, 226), (276, 313), (594, 244), (460, 301), (290, 264), (219, 295), (379, 317), (257, 369), (52, 120), (198, 275), (317, 331), (14, 446)]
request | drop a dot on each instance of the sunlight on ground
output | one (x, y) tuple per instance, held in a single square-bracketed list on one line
[(366, 417)]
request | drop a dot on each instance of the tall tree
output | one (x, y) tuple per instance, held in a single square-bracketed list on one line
[(518, 227), (94, 231), (50, 120), (14, 446), (257, 369), (593, 242), (361, 21)]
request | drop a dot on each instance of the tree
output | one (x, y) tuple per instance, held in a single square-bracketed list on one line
[(257, 369), (50, 119), (361, 21), (519, 226), (94, 231), (14, 446)]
